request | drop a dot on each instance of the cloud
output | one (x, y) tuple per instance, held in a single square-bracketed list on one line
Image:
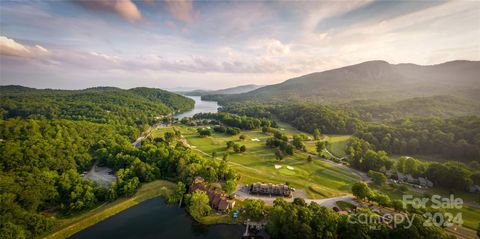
[(10, 47), (125, 8), (181, 9)]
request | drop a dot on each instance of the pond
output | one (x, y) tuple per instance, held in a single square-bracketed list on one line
[(154, 219), (201, 106)]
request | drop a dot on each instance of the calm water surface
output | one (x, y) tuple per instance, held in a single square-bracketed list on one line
[(201, 106), (154, 219)]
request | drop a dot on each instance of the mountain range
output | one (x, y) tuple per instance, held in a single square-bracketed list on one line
[(228, 91), (374, 80)]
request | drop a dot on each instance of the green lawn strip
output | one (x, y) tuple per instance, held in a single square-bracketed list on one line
[(66, 227), (338, 144)]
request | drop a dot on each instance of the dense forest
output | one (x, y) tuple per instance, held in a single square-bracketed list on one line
[(47, 137), (449, 175), (455, 138), (303, 116), (134, 107)]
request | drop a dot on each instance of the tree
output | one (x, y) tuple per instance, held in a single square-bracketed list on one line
[(321, 145), (180, 189), (377, 177), (225, 156), (361, 190), (309, 159), (214, 155), (230, 144), (278, 154), (198, 204), (254, 209), (236, 148), (297, 142), (169, 136), (204, 132), (242, 137), (397, 205), (230, 186), (316, 134), (243, 148)]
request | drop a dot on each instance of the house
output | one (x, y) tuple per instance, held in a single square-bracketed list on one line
[(217, 199), (475, 189), (411, 179), (401, 177), (271, 189)]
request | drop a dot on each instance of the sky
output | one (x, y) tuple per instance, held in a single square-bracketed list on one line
[(218, 44)]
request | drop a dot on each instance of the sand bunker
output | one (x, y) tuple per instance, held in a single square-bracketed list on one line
[(290, 167), (256, 140), (278, 166)]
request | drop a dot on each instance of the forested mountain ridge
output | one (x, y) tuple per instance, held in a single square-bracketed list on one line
[(135, 106), (374, 80), (228, 91), (47, 137)]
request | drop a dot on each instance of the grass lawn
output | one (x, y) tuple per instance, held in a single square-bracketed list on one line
[(338, 144), (66, 227), (470, 215), (319, 179)]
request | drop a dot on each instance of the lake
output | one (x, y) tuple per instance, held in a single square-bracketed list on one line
[(201, 106), (154, 219)]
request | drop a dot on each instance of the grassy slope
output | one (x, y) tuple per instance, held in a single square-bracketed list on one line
[(68, 226), (319, 179), (470, 215)]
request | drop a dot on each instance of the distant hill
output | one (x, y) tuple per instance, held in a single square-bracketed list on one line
[(373, 80), (228, 91), (99, 104)]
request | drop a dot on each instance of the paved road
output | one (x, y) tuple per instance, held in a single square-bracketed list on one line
[(145, 134), (243, 194)]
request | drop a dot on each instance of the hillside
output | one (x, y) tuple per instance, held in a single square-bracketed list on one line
[(100, 104), (373, 80), (228, 91)]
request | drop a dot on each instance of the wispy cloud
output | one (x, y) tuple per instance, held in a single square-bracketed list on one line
[(181, 9), (225, 42), (125, 8), (10, 47)]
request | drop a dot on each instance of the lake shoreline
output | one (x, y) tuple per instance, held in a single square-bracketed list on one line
[(69, 226)]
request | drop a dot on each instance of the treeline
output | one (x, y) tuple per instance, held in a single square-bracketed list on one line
[(303, 116), (449, 175), (159, 160), (456, 138), (241, 122), (139, 106), (48, 136), (301, 220), (41, 160), (39, 170)]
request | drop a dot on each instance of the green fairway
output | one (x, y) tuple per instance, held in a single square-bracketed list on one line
[(319, 179), (338, 144)]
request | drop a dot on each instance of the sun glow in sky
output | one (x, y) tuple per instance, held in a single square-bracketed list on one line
[(218, 44)]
